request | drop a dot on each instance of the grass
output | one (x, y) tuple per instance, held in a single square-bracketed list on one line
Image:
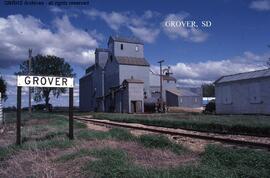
[(111, 163), (72, 156), (161, 142), (6, 152), (216, 161), (60, 143), (40, 136), (148, 140), (250, 125), (114, 133)]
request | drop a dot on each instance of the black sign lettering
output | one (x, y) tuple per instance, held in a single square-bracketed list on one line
[(27, 80), (50, 80), (57, 82), (64, 81), (35, 80), (43, 81)]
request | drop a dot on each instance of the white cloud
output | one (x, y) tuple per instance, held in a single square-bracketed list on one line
[(149, 35), (113, 19), (260, 5), (18, 33), (195, 74), (190, 34), (138, 25)]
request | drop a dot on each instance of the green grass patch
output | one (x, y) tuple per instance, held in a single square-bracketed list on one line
[(236, 162), (150, 141), (60, 143), (216, 162), (161, 142), (111, 163), (114, 133), (6, 152), (90, 135), (72, 156), (121, 134), (237, 124)]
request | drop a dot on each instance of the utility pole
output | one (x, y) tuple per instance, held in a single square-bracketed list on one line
[(29, 73), (160, 76)]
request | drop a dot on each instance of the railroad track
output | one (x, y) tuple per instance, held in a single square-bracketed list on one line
[(229, 139)]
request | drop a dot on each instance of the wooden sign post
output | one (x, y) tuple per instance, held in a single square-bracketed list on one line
[(44, 81), (1, 111)]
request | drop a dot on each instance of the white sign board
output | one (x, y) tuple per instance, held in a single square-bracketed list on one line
[(1, 112), (45, 81)]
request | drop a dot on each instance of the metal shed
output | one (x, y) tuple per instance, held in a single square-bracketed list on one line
[(243, 93), (183, 98)]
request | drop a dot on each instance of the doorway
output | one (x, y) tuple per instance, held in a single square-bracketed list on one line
[(136, 106)]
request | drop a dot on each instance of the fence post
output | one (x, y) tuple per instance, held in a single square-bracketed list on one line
[(71, 136), (19, 99)]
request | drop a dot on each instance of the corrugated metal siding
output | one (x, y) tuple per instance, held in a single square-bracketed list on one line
[(242, 97), (86, 85), (111, 76), (129, 50), (171, 99), (137, 72), (188, 99)]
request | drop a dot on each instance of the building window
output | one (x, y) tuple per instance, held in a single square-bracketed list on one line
[(122, 46), (181, 100), (196, 100), (137, 48)]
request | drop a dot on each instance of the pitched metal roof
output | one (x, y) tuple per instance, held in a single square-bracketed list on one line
[(182, 92), (124, 60), (133, 81), (125, 39), (90, 69), (244, 76)]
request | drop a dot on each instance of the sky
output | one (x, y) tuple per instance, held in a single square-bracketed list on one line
[(237, 41)]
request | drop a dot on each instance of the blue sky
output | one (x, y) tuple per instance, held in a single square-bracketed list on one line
[(236, 42)]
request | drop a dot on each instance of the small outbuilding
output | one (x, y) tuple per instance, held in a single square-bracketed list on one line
[(243, 93), (183, 98)]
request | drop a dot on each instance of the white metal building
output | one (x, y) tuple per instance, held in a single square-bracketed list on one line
[(243, 93), (121, 80), (183, 98)]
